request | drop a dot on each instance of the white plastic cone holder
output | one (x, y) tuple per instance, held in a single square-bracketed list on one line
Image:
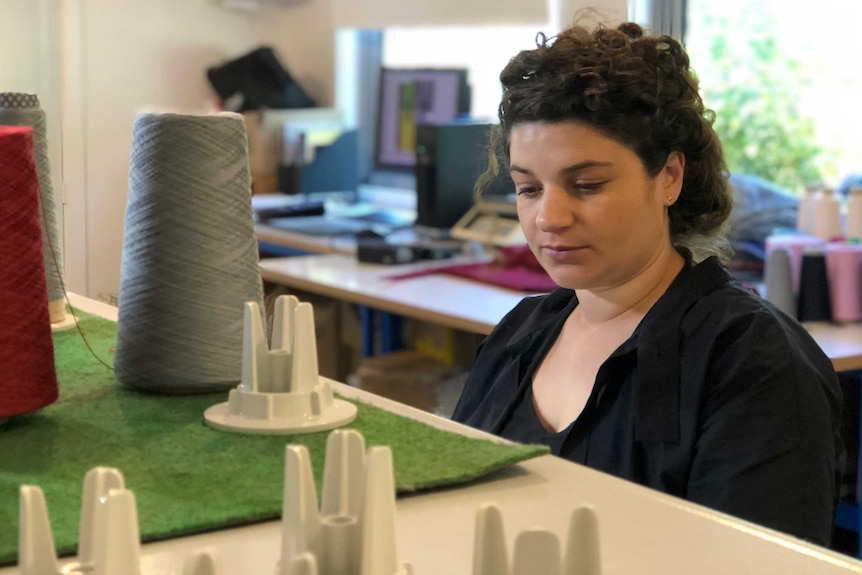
[(303, 564), (36, 552), (65, 324), (536, 550), (353, 532), (60, 320), (205, 562), (281, 391), (109, 541)]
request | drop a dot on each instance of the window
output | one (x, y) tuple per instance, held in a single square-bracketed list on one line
[(484, 51), (784, 84)]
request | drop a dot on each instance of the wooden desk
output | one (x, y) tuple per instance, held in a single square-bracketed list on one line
[(303, 242), (465, 304), (441, 299), (842, 343), (271, 236)]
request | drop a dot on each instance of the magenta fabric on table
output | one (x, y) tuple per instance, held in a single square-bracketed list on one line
[(517, 269)]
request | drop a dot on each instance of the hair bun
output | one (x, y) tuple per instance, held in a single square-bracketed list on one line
[(632, 30)]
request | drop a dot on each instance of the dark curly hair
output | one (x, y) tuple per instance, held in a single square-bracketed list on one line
[(637, 90)]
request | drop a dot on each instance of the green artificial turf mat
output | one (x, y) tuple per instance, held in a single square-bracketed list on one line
[(186, 476)]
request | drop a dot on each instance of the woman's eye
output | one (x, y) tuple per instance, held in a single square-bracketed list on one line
[(528, 191), (588, 187)]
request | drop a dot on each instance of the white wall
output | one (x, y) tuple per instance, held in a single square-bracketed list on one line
[(382, 13), (29, 62), (20, 53), (608, 12), (125, 55)]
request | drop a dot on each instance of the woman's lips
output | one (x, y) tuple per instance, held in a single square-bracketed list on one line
[(559, 252)]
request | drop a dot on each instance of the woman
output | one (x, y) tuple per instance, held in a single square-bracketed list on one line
[(648, 362)]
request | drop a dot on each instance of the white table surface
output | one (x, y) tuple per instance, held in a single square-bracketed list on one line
[(438, 298), (642, 531), (841, 342)]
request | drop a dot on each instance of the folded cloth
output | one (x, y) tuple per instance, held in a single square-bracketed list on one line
[(515, 268)]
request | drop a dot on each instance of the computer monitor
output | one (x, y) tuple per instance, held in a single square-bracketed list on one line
[(411, 97), (451, 157)]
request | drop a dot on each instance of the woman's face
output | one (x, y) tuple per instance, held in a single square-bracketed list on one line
[(591, 214)]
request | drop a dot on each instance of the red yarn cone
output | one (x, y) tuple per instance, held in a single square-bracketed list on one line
[(28, 380)]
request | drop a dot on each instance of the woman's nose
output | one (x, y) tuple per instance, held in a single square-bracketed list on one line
[(554, 212)]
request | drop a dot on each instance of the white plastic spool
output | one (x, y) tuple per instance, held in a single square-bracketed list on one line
[(854, 214), (827, 215), (60, 320), (109, 541), (353, 532), (536, 550), (805, 209), (281, 390)]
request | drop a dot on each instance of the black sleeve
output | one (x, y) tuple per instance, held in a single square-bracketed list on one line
[(471, 395), (769, 449)]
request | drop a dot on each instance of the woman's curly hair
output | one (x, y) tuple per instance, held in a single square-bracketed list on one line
[(637, 90)]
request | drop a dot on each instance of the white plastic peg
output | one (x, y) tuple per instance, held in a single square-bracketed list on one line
[(583, 555), (98, 482), (118, 548), (300, 518), (304, 564), (109, 541), (489, 543), (204, 562), (378, 516), (281, 390), (344, 474), (353, 533), (537, 551), (36, 552)]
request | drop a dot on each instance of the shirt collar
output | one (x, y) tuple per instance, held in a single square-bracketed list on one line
[(555, 307), (656, 338), (693, 282)]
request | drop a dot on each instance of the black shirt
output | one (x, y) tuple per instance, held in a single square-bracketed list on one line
[(717, 397), (526, 427)]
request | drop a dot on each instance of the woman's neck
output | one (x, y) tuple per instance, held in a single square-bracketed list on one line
[(633, 298)]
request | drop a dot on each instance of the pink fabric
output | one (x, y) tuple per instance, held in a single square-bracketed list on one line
[(516, 268)]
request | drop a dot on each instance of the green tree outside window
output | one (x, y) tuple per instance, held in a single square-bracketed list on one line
[(753, 87)]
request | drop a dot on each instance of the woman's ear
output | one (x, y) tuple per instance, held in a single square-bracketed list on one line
[(671, 175)]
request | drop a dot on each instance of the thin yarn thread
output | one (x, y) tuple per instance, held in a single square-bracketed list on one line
[(28, 380), (19, 109), (190, 259)]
